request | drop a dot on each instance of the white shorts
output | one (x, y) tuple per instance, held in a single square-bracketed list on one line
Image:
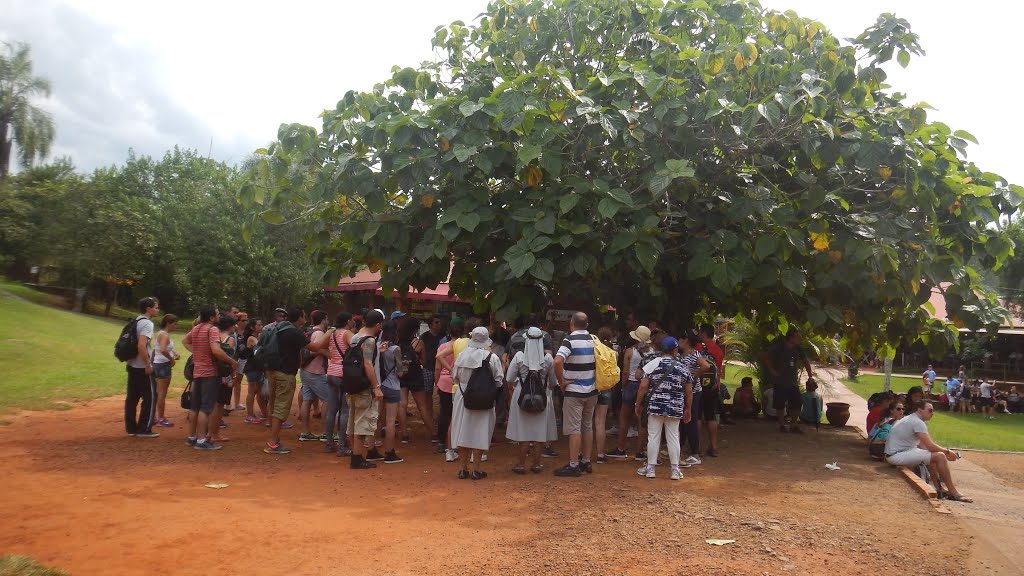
[(912, 457)]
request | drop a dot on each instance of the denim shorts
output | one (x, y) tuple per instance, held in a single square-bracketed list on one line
[(604, 397), (391, 396), (162, 371), (313, 385), (629, 393)]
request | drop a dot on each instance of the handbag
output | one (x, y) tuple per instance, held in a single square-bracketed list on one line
[(186, 397)]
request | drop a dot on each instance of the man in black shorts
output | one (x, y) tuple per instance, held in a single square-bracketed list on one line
[(781, 360)]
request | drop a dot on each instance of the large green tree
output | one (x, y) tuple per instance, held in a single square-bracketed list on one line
[(21, 121), (679, 156)]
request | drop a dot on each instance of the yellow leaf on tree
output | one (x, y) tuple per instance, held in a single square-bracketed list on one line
[(968, 180), (716, 63), (426, 200), (444, 144), (751, 51), (835, 256), (833, 56), (819, 240), (884, 171), (738, 61), (914, 286), (533, 176), (374, 264), (533, 24)]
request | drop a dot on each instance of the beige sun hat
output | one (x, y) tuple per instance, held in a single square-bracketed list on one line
[(642, 334)]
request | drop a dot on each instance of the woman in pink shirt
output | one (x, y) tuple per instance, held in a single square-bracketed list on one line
[(443, 383), (336, 344)]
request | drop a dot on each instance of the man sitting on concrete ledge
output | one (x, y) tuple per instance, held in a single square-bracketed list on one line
[(910, 445)]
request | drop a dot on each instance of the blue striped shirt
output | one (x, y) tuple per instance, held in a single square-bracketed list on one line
[(578, 352)]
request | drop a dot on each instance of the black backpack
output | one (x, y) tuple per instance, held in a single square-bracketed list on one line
[(266, 355), (411, 370), (127, 345), (533, 397), (353, 375), (480, 392), (308, 356), (709, 377)]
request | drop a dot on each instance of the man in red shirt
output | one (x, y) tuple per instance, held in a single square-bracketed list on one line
[(203, 341), (712, 394)]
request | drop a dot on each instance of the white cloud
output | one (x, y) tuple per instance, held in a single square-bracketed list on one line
[(152, 75)]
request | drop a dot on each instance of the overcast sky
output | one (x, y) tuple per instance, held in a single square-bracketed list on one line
[(220, 76)]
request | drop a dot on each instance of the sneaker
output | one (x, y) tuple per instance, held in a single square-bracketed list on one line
[(392, 458), (223, 424), (336, 438), (440, 449), (191, 440), (374, 455), (617, 454), (640, 456), (569, 471), (287, 426), (276, 449), (378, 443), (330, 447), (451, 455), (614, 431), (601, 459), (206, 446), (549, 452), (587, 467), (308, 437), (676, 474), (483, 457), (434, 440), (253, 420), (646, 470), (360, 463), (164, 423), (405, 439), (147, 434), (344, 451), (691, 461), (632, 432)]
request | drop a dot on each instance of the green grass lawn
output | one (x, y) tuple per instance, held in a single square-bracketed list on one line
[(51, 357), (1006, 432)]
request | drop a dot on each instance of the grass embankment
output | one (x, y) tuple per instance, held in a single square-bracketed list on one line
[(976, 431), (50, 358), (21, 566)]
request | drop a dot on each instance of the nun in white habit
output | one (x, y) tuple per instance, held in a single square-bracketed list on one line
[(525, 427), (472, 429)]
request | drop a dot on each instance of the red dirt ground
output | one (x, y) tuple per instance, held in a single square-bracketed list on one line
[(81, 496)]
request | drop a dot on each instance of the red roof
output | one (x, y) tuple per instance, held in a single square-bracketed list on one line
[(364, 280), (938, 301)]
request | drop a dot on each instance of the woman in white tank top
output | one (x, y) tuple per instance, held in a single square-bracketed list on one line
[(164, 358)]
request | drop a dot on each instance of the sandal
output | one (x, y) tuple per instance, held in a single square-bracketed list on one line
[(536, 468), (519, 469), (463, 474), (479, 475), (960, 498)]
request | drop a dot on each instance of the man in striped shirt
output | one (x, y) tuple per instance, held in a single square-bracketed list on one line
[(574, 368), (203, 341)]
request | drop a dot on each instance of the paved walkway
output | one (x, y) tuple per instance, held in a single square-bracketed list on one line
[(996, 517)]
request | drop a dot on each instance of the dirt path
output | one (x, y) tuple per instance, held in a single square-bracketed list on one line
[(81, 496), (997, 514)]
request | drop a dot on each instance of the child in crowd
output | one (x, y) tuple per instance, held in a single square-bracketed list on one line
[(810, 404)]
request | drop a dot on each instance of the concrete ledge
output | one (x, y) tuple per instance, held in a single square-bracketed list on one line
[(925, 489)]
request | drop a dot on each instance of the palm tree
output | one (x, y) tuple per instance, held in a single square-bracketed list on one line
[(21, 122)]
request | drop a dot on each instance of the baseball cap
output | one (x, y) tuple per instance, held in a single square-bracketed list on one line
[(669, 343), (397, 314)]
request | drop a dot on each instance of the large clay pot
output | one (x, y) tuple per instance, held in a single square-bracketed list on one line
[(837, 413)]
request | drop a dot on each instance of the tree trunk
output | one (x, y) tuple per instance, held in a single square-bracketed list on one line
[(111, 295), (5, 151), (888, 374)]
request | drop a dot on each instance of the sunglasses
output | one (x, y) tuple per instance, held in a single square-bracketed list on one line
[(898, 408)]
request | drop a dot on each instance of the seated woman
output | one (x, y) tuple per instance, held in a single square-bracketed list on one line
[(879, 433), (885, 400), (743, 403), (1013, 402), (810, 404)]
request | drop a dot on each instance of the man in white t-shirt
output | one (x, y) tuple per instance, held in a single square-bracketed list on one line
[(986, 397), (139, 423), (910, 445)]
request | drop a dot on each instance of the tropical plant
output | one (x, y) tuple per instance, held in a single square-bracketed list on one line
[(22, 123), (682, 155)]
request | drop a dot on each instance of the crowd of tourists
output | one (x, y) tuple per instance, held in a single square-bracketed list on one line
[(967, 396), (661, 394)]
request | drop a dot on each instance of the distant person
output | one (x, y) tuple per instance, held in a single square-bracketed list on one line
[(281, 375), (879, 433), (364, 407), (928, 379), (885, 399), (574, 367), (313, 376), (531, 366), (910, 445), (336, 419), (1013, 401), (811, 404), (670, 386), (203, 341), (768, 403), (139, 422), (226, 326), (639, 343), (256, 392), (444, 363), (711, 395), (915, 394), (242, 320), (987, 399), (472, 429), (164, 358), (743, 402), (783, 361)]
